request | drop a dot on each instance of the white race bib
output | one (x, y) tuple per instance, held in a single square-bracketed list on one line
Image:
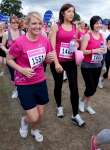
[(96, 58), (36, 56), (65, 51)]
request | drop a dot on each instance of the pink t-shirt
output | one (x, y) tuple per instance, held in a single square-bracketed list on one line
[(30, 54)]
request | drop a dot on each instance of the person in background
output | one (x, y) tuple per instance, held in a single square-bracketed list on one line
[(102, 138), (93, 48), (82, 30), (61, 35), (107, 62), (105, 31), (2, 51), (109, 26), (8, 40), (30, 51)]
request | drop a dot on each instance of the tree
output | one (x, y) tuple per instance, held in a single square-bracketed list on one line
[(10, 7)]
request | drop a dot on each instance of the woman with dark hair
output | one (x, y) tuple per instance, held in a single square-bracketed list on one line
[(93, 47), (61, 36)]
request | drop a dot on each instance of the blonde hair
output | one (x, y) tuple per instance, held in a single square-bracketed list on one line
[(34, 14)]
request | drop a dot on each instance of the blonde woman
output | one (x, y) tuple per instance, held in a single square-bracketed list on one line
[(30, 51)]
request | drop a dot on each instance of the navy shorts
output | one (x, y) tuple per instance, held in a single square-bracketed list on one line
[(32, 95)]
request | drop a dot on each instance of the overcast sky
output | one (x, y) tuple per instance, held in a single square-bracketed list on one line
[(86, 8)]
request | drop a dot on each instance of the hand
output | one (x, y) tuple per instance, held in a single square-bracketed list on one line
[(58, 68), (50, 57), (28, 72), (99, 51)]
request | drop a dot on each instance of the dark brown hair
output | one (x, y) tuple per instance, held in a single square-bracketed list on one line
[(62, 10)]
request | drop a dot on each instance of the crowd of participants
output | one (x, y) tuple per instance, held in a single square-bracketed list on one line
[(28, 45)]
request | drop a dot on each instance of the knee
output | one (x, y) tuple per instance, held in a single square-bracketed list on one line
[(34, 118), (90, 93)]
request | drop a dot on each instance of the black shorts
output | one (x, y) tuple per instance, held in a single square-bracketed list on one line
[(2, 53), (32, 95)]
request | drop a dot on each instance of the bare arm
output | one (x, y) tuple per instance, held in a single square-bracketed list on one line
[(25, 71), (52, 38), (4, 41), (84, 43)]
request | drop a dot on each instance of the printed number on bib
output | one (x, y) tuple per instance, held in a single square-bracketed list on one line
[(65, 51), (36, 57), (97, 58)]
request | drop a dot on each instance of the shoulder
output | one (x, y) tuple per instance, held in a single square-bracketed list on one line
[(20, 40), (43, 38), (87, 36), (5, 34)]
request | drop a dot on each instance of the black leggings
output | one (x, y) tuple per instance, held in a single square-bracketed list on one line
[(71, 71), (91, 79), (107, 63)]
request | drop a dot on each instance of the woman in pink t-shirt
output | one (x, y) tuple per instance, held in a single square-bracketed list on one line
[(81, 32), (30, 51), (62, 34), (93, 47)]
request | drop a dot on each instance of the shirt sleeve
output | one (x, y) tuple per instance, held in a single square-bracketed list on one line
[(15, 50)]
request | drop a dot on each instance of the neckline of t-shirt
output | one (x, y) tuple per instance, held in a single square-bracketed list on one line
[(33, 41), (67, 30), (96, 38)]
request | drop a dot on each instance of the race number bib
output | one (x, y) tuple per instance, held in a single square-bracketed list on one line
[(36, 57), (65, 51), (97, 58)]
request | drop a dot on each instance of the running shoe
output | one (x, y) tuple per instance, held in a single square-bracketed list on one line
[(90, 110), (77, 120), (24, 128), (14, 94), (101, 83), (81, 106), (60, 113), (37, 135)]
